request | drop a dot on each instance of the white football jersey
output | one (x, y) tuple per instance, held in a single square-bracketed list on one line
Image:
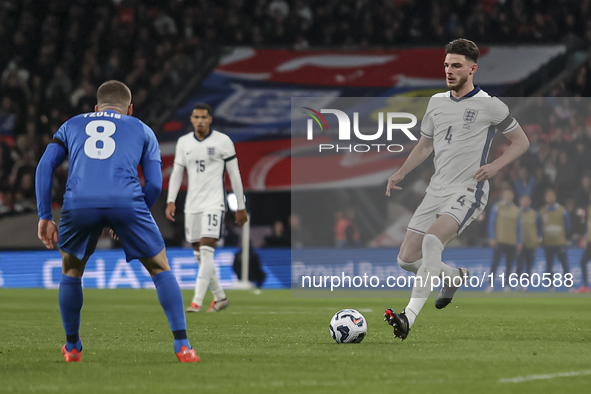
[(205, 162), (462, 131)]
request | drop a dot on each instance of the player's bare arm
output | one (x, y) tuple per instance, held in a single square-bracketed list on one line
[(241, 217), (419, 154), (174, 185), (170, 211), (236, 181), (519, 145)]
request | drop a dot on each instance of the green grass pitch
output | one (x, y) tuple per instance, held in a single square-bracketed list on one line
[(274, 343)]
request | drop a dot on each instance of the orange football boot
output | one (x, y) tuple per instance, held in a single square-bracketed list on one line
[(187, 356), (71, 357), (194, 308)]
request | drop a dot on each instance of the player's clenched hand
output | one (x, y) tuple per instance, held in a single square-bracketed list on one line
[(241, 217), (47, 232), (170, 211), (114, 235), (392, 181), (485, 172)]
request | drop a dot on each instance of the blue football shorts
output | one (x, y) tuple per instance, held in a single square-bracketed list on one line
[(80, 230)]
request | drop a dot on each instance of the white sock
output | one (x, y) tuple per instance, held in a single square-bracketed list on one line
[(216, 288), (412, 267), (206, 271), (197, 256), (450, 273), (432, 248)]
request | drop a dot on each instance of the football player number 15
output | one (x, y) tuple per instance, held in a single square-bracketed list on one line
[(99, 144)]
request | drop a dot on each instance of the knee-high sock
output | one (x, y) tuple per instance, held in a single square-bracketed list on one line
[(432, 248), (412, 267), (206, 272), (214, 283), (448, 271), (197, 256), (70, 300), (171, 299), (216, 287)]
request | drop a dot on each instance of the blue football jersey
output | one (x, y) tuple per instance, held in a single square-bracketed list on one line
[(105, 149)]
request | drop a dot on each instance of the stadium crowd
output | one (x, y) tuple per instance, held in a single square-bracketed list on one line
[(56, 52), (301, 23)]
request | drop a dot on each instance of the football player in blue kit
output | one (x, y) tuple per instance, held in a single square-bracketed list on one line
[(103, 190)]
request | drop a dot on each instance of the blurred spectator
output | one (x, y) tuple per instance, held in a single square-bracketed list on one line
[(279, 238), (531, 224), (577, 222), (556, 227), (255, 271), (299, 237), (6, 163), (566, 176), (505, 234), (542, 184), (583, 192), (24, 194), (524, 184), (586, 256), (581, 157), (60, 86), (346, 232)]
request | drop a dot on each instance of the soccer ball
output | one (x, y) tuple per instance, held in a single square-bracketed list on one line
[(348, 326)]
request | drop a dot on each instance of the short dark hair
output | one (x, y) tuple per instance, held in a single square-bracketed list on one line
[(203, 106), (113, 93), (465, 47)]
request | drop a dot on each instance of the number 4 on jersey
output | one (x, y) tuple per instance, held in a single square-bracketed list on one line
[(462, 200), (448, 135)]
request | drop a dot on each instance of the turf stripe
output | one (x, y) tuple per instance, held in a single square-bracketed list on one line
[(527, 378)]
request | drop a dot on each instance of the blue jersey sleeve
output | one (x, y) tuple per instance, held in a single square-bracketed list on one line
[(566, 222), (60, 135), (153, 182), (151, 147), (54, 156), (151, 166)]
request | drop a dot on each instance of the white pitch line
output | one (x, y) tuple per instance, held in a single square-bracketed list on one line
[(527, 378), (269, 313)]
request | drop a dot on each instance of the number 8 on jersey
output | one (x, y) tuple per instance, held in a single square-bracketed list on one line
[(107, 144)]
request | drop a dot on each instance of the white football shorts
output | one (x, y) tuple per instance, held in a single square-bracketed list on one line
[(463, 206), (206, 224)]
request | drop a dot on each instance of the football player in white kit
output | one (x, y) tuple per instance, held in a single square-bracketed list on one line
[(458, 126), (205, 154)]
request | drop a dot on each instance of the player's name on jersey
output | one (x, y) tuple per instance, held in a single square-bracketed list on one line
[(102, 114)]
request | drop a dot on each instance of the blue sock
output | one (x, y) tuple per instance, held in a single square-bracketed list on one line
[(171, 299), (71, 299)]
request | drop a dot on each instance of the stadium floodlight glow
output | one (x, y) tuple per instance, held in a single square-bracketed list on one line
[(233, 202)]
